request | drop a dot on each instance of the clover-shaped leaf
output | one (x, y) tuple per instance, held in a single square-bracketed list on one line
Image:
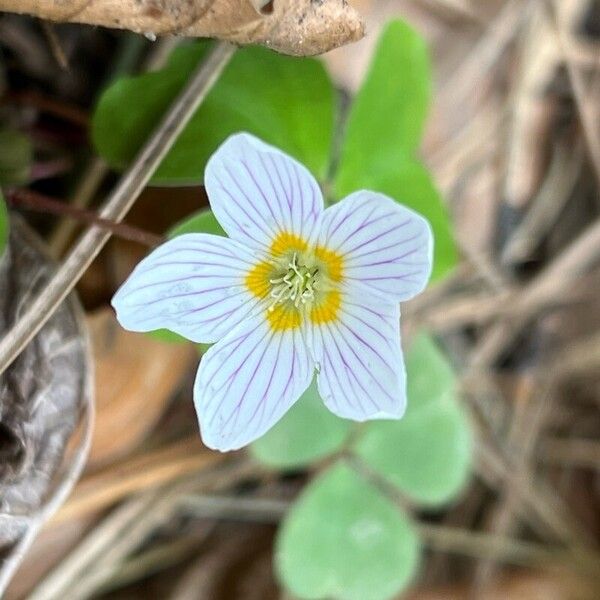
[(427, 454), (288, 102), (383, 132), (342, 539), (306, 433), (388, 113)]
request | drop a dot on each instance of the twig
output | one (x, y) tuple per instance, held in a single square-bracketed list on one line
[(536, 505), (486, 53), (31, 200), (71, 470), (157, 559), (559, 275), (509, 550), (541, 508), (49, 168), (152, 469), (55, 46), (580, 357), (456, 8), (533, 403), (571, 452), (531, 112), (47, 104), (96, 169), (235, 508), (547, 205), (90, 181), (450, 539), (116, 205), (94, 545), (103, 551), (584, 105)]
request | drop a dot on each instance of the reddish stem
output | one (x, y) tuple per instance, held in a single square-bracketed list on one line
[(30, 200)]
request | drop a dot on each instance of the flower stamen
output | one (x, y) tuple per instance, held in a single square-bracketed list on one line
[(296, 286)]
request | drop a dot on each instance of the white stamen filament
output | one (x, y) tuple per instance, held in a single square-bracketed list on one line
[(297, 285)]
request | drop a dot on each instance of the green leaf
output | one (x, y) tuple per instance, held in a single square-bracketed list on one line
[(426, 454), (4, 225), (342, 539), (166, 335), (16, 155), (388, 113), (204, 221), (383, 131), (306, 433), (288, 102)]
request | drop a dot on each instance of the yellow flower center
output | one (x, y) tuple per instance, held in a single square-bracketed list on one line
[(297, 285), (298, 282)]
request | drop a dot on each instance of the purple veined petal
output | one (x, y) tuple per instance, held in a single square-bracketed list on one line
[(257, 192), (384, 245), (193, 284), (248, 381), (360, 366)]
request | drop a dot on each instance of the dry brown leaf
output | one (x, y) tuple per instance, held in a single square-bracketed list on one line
[(136, 376), (298, 27), (43, 396)]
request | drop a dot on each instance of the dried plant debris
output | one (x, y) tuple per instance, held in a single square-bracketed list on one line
[(43, 397), (298, 27)]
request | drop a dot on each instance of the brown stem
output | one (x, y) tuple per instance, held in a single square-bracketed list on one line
[(30, 200), (52, 106)]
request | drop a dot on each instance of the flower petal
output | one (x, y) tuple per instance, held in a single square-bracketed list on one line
[(193, 285), (257, 192), (360, 366), (384, 245), (248, 381)]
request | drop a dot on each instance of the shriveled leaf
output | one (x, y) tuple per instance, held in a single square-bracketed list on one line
[(16, 155), (4, 225), (428, 453), (300, 27), (306, 433), (42, 396), (285, 101), (342, 539)]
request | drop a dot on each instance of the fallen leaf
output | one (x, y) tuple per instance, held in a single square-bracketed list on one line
[(44, 395), (298, 27)]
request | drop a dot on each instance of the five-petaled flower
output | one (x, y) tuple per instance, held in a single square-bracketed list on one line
[(294, 290)]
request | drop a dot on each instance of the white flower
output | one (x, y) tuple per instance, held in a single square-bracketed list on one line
[(294, 289)]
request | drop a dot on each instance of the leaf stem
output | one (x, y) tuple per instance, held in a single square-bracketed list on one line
[(116, 205)]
